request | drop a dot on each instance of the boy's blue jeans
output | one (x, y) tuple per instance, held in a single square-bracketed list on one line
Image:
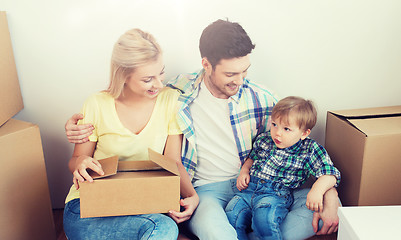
[(262, 206), (209, 220), (146, 226)]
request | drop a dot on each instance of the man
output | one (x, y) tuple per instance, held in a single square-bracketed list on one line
[(221, 113)]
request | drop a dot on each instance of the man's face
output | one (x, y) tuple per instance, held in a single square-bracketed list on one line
[(228, 75)]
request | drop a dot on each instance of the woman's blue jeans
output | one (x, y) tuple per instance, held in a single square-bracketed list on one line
[(146, 226), (261, 207)]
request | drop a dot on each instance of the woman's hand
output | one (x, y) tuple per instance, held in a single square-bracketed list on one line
[(189, 204), (82, 164), (190, 199)]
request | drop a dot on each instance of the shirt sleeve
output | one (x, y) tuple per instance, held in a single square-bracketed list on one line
[(266, 120), (267, 99), (257, 146), (320, 163), (173, 127), (90, 111)]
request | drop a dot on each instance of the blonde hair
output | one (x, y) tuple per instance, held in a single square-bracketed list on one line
[(304, 110), (133, 49)]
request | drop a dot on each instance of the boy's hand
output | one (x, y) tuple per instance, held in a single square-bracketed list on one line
[(328, 215), (314, 201), (243, 180)]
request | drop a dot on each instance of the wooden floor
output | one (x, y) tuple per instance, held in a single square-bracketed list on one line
[(58, 221)]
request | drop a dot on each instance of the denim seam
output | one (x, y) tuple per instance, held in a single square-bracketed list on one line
[(154, 225)]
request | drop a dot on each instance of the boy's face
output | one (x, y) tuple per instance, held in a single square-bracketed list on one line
[(224, 81), (285, 134)]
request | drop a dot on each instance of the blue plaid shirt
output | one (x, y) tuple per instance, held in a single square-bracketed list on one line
[(250, 111), (292, 165)]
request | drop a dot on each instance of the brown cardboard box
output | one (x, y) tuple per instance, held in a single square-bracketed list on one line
[(26, 211), (10, 93), (139, 187), (365, 145)]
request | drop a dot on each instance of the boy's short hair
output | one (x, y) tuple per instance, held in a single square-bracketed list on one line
[(304, 110), (223, 39)]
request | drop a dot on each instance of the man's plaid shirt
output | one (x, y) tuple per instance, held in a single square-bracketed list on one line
[(250, 111), (293, 165)]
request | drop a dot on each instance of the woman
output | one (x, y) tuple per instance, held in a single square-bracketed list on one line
[(135, 113)]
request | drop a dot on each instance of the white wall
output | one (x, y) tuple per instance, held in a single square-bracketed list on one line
[(343, 54)]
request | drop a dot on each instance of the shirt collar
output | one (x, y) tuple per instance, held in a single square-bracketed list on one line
[(236, 97), (292, 149), (199, 79), (192, 92), (295, 147)]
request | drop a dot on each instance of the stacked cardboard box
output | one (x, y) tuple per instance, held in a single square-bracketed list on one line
[(10, 94), (365, 145), (25, 205)]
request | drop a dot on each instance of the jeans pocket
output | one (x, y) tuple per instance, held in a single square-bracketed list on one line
[(233, 202), (285, 194), (73, 206), (282, 191)]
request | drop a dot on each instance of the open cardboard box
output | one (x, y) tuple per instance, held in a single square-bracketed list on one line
[(132, 187), (365, 145)]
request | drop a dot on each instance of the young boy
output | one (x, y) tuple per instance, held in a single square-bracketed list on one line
[(281, 160)]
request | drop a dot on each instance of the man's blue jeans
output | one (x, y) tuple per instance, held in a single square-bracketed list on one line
[(260, 207), (210, 222), (146, 226)]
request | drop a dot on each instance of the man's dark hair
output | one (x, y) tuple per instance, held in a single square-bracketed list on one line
[(223, 39)]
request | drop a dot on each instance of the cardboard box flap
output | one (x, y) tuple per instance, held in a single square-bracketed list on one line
[(157, 161), (369, 112), (378, 126), (129, 166), (164, 162), (109, 166)]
